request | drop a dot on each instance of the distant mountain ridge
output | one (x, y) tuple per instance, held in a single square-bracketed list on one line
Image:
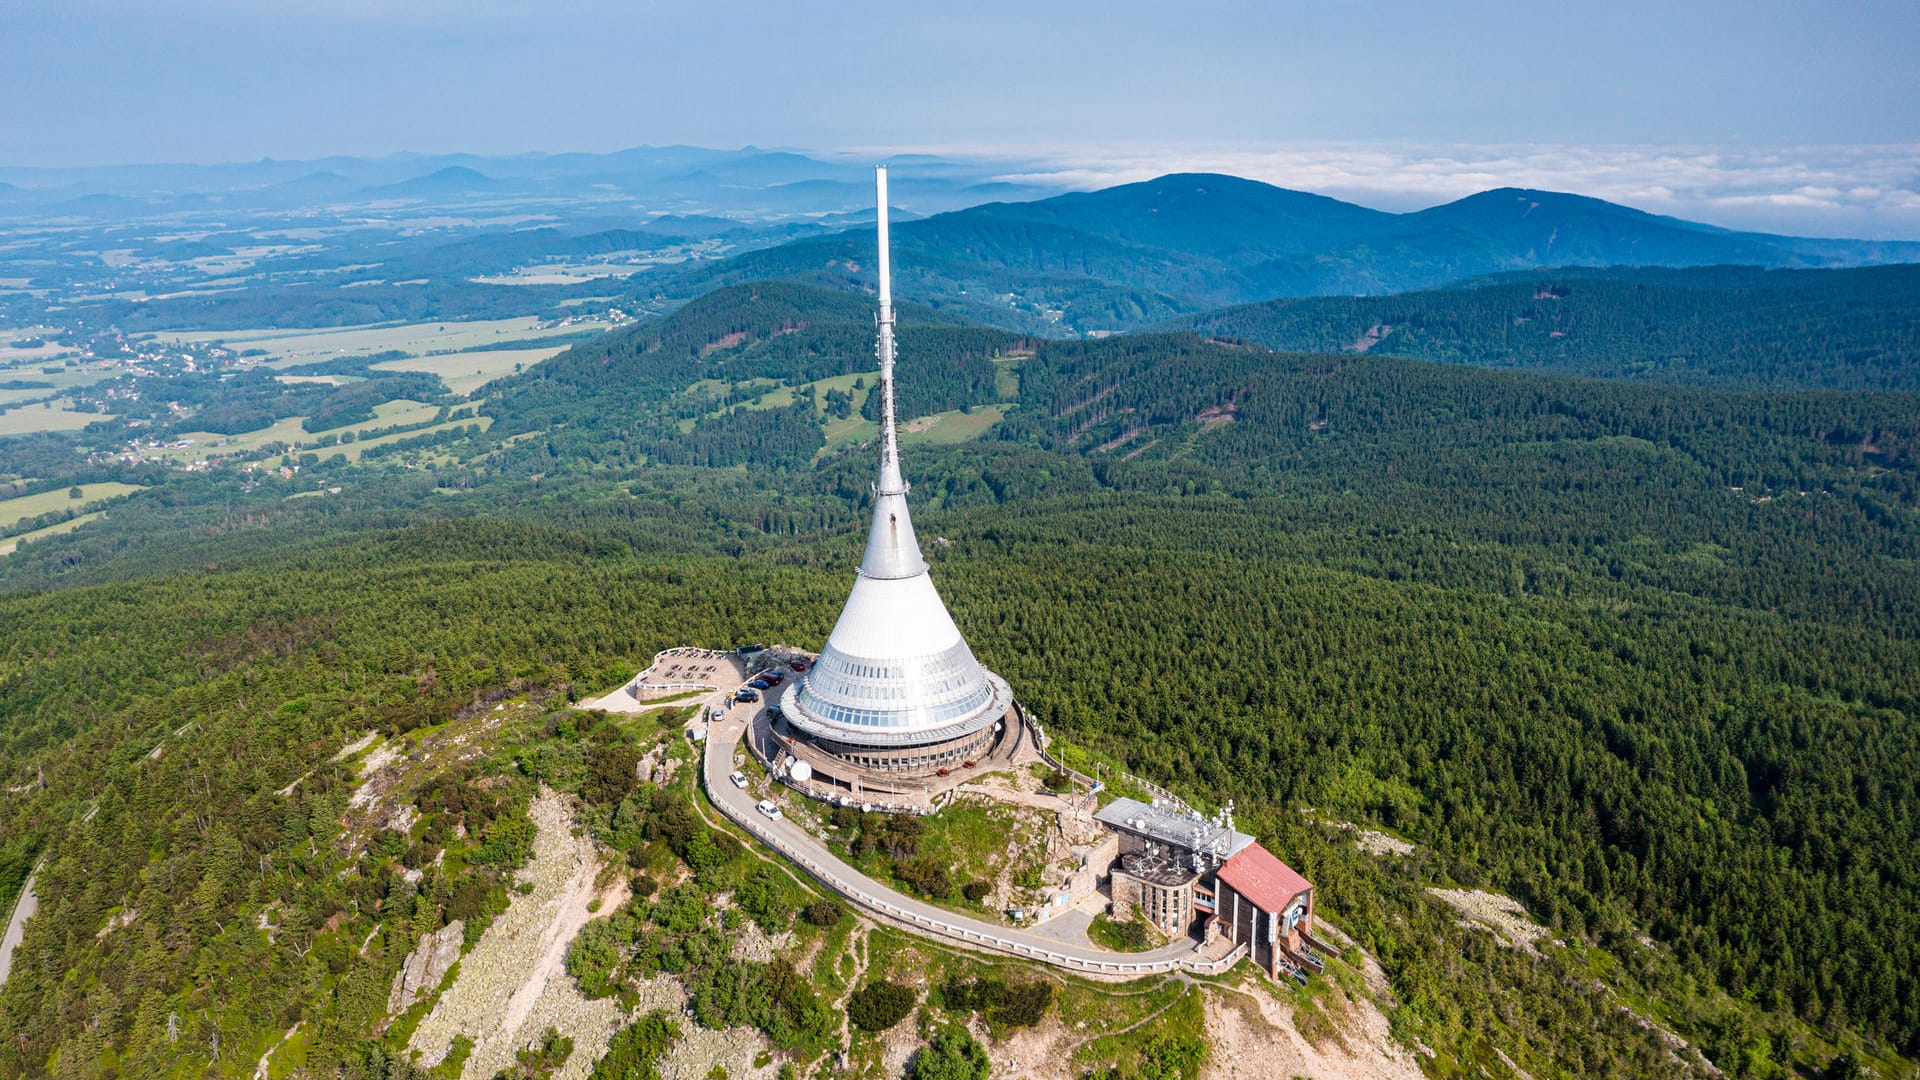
[(750, 182), (1113, 259)]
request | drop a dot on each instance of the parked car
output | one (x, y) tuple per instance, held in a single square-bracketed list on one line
[(773, 678), (798, 666), (739, 778), (766, 807), (746, 694)]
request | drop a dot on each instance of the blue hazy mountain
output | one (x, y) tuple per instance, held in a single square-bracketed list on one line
[(749, 183), (1188, 242)]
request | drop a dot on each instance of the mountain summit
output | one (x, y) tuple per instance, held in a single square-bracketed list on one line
[(1127, 256)]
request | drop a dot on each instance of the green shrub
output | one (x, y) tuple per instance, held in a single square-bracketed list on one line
[(879, 1005), (1019, 1004), (764, 895), (636, 1049), (952, 1055), (926, 875), (824, 912)]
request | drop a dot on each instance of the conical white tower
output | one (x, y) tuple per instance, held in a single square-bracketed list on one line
[(895, 674)]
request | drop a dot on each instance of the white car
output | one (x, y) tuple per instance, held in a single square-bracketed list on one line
[(739, 779), (766, 807)]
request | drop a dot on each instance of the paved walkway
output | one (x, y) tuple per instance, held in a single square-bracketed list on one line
[(887, 905), (23, 910)]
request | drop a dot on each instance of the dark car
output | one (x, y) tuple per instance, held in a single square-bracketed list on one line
[(749, 694), (773, 678), (798, 666)]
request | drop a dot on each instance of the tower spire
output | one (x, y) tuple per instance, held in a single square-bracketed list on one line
[(896, 682), (891, 481), (892, 549)]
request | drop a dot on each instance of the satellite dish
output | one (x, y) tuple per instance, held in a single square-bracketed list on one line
[(801, 772)]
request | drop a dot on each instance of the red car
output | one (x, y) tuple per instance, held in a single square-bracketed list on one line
[(798, 666), (773, 678)]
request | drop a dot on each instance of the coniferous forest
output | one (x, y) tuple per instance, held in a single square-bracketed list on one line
[(1644, 657)]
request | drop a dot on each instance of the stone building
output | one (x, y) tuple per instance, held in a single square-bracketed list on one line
[(1183, 872)]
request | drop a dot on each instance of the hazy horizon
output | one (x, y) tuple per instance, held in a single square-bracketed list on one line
[(1790, 117)]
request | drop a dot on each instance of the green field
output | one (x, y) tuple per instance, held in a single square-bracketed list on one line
[(289, 431), (26, 419), (952, 426), (466, 372), (1006, 374), (355, 449), (74, 372), (26, 506), (35, 354), (200, 442), (290, 348), (9, 545)]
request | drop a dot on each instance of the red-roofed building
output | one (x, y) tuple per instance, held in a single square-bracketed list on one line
[(1266, 905)]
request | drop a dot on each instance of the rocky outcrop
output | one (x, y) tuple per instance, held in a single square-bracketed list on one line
[(426, 965)]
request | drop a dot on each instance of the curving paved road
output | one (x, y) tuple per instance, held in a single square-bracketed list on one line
[(889, 905)]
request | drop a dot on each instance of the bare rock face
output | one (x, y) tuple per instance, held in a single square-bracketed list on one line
[(426, 965)]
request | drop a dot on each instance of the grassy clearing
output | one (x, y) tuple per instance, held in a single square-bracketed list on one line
[(9, 546), (26, 506), (27, 419), (353, 450), (1105, 1007), (1155, 1047), (400, 411), (1006, 376), (940, 429), (972, 837), (1133, 935), (200, 443), (287, 348), (953, 426), (48, 350), (469, 371), (23, 365)]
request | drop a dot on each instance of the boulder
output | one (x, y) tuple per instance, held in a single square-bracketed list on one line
[(426, 965)]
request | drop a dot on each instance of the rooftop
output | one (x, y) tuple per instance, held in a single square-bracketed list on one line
[(1260, 876), (1158, 865), (1183, 831)]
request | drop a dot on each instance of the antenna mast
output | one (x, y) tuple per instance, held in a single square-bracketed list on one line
[(891, 482)]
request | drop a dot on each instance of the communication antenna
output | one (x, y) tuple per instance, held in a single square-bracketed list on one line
[(891, 481)]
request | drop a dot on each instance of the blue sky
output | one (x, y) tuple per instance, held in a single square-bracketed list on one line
[(1799, 114)]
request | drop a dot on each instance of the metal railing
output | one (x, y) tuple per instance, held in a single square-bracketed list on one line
[(1040, 743), (893, 913), (718, 655)]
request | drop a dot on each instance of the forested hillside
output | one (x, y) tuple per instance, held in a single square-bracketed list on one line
[(1643, 657), (1719, 326), (1136, 254), (673, 389)]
